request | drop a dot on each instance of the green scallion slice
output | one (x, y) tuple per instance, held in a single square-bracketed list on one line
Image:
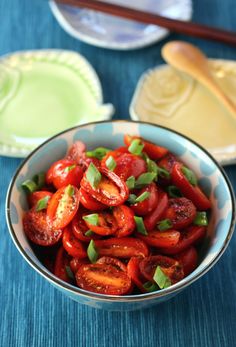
[(93, 176), (69, 272), (91, 218), (132, 199), (173, 192), (98, 153), (152, 166), (42, 203), (144, 179), (69, 168), (140, 225), (201, 219), (190, 175), (92, 252), (150, 286), (130, 182), (89, 233), (29, 186), (111, 163), (164, 224), (136, 147), (142, 197), (161, 279), (163, 172), (39, 179), (70, 190)]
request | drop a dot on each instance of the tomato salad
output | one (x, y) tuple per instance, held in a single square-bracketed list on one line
[(123, 221)]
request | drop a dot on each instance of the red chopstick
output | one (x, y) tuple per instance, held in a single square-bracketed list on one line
[(178, 26)]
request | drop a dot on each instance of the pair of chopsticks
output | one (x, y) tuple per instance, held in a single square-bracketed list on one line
[(178, 26)]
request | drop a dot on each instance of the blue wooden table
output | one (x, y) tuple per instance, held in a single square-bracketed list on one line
[(32, 312)]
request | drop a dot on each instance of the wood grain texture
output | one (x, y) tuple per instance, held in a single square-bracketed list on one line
[(33, 313)]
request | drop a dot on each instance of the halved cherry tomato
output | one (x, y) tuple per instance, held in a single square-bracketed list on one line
[(89, 202), (154, 152), (146, 206), (34, 197), (77, 152), (194, 193), (38, 228), (79, 228), (167, 163), (135, 274), (75, 263), (151, 219), (113, 261), (103, 279), (181, 212), (72, 245), (188, 259), (191, 236), (125, 247), (62, 261), (63, 206), (107, 224), (111, 190), (171, 267), (160, 238), (125, 220)]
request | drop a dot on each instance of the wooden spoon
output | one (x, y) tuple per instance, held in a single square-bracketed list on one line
[(188, 58)]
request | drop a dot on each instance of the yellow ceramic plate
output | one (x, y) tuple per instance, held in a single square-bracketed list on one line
[(170, 98)]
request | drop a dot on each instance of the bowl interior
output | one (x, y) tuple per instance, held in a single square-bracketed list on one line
[(110, 134)]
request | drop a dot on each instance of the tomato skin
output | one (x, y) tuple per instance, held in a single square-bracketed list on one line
[(113, 261), (104, 279), (62, 207), (89, 202), (144, 207), (151, 219), (188, 259), (194, 193), (75, 263), (154, 152), (34, 197), (38, 228), (79, 228), (62, 260), (181, 212), (171, 267), (64, 172), (125, 220), (160, 239), (135, 274), (191, 236), (125, 247), (106, 224), (111, 190), (77, 152), (72, 245)]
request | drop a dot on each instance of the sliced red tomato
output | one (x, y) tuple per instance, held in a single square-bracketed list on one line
[(146, 206), (167, 163), (62, 261), (89, 202), (113, 261), (63, 206), (181, 212), (154, 152), (135, 274), (194, 193), (107, 224), (111, 190), (72, 245), (75, 263), (191, 236), (77, 152), (124, 217), (171, 267), (104, 279), (38, 228), (125, 247), (151, 219), (160, 238), (79, 228), (34, 197), (188, 259)]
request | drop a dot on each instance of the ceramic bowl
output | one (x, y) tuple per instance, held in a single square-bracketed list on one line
[(211, 177)]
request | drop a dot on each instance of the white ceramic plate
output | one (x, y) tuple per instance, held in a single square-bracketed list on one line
[(112, 32)]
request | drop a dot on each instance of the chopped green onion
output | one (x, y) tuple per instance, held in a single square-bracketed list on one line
[(142, 197), (92, 252), (163, 172), (29, 186), (136, 147), (98, 153), (130, 182), (91, 218), (144, 179), (111, 163), (42, 203), (69, 168), (93, 176), (189, 174), (161, 279), (140, 225), (164, 224), (70, 190), (201, 219), (69, 272), (132, 199), (150, 286), (174, 192), (39, 179), (89, 233), (152, 166)]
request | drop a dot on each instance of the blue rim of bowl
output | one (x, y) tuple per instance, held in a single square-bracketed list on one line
[(175, 288)]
